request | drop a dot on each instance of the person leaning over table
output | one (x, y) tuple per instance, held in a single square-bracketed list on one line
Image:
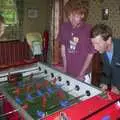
[(101, 37)]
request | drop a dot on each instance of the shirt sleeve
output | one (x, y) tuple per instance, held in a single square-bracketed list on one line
[(91, 48)]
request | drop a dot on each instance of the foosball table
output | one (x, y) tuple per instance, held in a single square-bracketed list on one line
[(37, 91)]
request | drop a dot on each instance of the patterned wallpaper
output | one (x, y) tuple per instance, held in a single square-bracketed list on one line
[(95, 14)]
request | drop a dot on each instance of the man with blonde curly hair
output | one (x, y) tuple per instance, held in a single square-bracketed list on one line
[(74, 36), (101, 37)]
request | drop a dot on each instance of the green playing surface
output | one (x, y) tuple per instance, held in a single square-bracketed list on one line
[(28, 85)]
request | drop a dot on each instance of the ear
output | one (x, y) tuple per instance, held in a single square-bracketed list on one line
[(109, 41), (82, 16)]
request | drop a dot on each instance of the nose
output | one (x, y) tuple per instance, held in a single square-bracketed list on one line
[(95, 46)]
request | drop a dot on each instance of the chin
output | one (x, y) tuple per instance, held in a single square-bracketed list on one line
[(101, 52)]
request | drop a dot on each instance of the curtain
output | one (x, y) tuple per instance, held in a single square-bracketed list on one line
[(57, 19), (20, 12)]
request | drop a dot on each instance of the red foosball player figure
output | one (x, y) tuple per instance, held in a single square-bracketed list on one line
[(17, 92), (45, 83), (62, 99), (17, 96), (60, 94), (29, 97), (28, 88), (38, 86), (44, 102), (38, 91)]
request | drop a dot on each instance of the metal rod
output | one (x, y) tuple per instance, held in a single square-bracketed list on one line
[(8, 113)]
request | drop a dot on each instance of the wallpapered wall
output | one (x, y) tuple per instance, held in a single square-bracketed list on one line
[(95, 14), (40, 23)]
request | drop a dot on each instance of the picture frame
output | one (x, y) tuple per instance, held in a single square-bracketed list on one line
[(32, 12), (105, 14)]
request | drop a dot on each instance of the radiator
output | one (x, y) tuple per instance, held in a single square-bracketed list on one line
[(13, 52)]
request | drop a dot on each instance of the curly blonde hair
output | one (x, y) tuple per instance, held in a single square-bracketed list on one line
[(73, 6)]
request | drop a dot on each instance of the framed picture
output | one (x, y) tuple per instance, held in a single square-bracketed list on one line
[(105, 14), (32, 12)]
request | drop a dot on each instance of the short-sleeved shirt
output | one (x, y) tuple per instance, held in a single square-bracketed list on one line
[(77, 45)]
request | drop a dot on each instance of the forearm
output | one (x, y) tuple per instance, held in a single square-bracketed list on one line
[(63, 54), (86, 64)]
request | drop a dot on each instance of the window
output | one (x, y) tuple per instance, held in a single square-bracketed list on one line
[(8, 10), (13, 12)]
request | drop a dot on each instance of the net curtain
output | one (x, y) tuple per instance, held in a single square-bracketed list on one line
[(20, 13), (57, 20)]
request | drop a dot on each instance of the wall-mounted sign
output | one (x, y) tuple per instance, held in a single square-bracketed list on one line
[(32, 12)]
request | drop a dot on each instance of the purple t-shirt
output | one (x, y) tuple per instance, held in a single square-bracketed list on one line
[(78, 45)]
